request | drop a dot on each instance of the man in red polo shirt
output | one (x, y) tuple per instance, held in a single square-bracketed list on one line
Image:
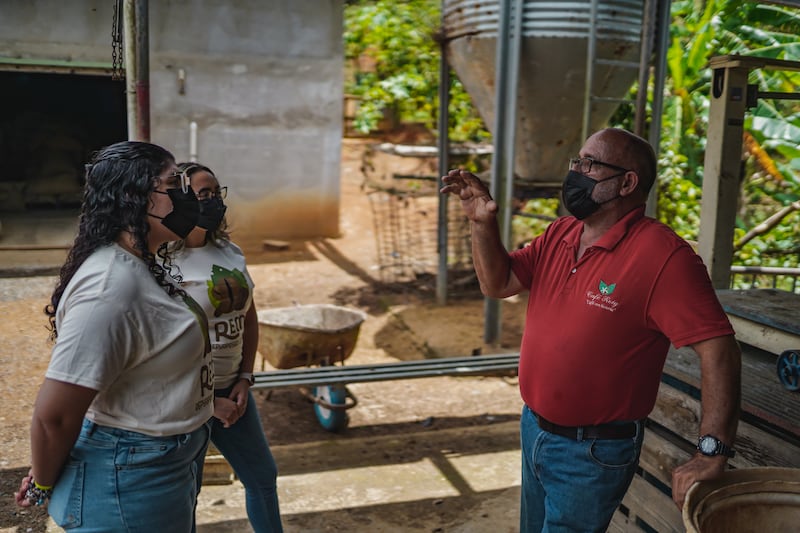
[(610, 289)]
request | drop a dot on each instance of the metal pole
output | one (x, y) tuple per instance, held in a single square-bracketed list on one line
[(659, 76), (193, 141), (645, 51), (444, 164), (129, 37), (143, 70), (591, 51), (491, 306), (511, 119)]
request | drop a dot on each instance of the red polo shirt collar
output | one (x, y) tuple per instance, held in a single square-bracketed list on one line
[(615, 233)]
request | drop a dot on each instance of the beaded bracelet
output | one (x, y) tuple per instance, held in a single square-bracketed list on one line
[(37, 494)]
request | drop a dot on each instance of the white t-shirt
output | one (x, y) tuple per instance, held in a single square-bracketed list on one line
[(217, 278), (145, 352)]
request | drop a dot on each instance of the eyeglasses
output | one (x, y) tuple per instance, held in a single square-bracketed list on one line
[(584, 165), (175, 180), (207, 194)]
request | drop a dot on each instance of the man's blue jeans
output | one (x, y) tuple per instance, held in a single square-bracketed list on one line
[(118, 480), (245, 447), (572, 485)]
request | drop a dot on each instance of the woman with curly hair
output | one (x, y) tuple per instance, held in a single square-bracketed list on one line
[(120, 418), (214, 272)]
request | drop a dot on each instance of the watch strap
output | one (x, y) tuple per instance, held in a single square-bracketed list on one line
[(248, 376), (725, 450)]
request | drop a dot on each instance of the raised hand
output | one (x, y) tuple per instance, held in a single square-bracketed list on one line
[(475, 198)]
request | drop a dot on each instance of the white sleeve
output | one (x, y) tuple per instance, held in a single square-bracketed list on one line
[(96, 341)]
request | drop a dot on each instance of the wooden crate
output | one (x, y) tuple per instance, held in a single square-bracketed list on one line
[(216, 470), (768, 433)]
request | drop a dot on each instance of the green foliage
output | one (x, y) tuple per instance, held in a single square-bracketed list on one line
[(392, 46), (701, 30), (534, 218), (399, 38)]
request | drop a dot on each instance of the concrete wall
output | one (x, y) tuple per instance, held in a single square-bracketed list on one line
[(262, 80)]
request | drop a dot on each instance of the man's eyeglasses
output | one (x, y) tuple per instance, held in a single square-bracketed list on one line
[(584, 165), (207, 194)]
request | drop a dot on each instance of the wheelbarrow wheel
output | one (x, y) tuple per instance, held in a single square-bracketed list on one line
[(789, 369), (334, 395)]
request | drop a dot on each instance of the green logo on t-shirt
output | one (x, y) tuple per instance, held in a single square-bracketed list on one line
[(227, 290), (200, 315), (606, 289)]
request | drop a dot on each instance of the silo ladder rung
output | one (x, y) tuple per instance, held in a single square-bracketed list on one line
[(617, 63), (610, 99)]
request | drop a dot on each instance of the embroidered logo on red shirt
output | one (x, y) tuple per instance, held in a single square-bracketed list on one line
[(602, 298), (606, 288)]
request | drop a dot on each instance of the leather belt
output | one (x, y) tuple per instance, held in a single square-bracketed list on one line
[(603, 431)]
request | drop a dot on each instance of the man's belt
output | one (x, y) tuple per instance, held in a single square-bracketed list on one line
[(625, 430)]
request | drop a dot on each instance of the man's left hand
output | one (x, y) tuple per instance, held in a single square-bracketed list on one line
[(698, 468)]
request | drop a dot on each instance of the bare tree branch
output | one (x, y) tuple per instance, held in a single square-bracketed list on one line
[(768, 224)]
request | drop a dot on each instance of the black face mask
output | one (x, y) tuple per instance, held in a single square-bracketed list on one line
[(185, 212), (576, 193), (212, 211)]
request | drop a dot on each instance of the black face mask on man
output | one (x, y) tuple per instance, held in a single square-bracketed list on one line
[(185, 212), (576, 193), (212, 211)]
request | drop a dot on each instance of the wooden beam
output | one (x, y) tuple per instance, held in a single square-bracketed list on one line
[(653, 507), (681, 414), (764, 337), (764, 399), (722, 174)]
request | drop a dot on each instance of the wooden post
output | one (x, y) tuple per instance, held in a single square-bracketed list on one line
[(721, 177)]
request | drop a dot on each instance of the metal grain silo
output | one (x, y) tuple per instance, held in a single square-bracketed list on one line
[(558, 38)]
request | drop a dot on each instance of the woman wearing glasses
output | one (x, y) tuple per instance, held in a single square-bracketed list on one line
[(214, 272), (120, 418)]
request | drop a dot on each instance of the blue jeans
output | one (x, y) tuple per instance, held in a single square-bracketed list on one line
[(118, 480), (573, 485), (245, 447)]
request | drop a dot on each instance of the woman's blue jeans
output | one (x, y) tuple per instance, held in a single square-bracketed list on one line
[(573, 485), (245, 447), (118, 480)]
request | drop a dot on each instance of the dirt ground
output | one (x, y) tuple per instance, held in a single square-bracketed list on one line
[(395, 421)]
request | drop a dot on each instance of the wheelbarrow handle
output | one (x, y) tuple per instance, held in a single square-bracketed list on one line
[(350, 402)]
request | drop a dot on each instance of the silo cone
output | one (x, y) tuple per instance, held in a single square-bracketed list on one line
[(552, 76)]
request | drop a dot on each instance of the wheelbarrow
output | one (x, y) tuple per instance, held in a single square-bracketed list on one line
[(313, 335)]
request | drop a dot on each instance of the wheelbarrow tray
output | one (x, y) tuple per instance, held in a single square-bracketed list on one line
[(307, 335)]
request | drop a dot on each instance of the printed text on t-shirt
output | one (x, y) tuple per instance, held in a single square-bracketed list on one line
[(229, 329)]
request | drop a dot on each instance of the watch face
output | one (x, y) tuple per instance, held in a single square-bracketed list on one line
[(708, 445)]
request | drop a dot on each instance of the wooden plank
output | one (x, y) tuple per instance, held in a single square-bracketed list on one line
[(661, 453), (622, 524), (763, 396), (680, 413), (653, 507), (770, 307), (767, 338), (217, 471)]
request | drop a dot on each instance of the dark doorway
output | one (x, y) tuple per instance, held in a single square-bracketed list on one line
[(50, 124)]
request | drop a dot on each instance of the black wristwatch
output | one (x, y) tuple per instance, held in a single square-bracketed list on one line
[(711, 446)]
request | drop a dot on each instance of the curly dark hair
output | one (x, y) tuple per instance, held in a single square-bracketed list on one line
[(119, 180)]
